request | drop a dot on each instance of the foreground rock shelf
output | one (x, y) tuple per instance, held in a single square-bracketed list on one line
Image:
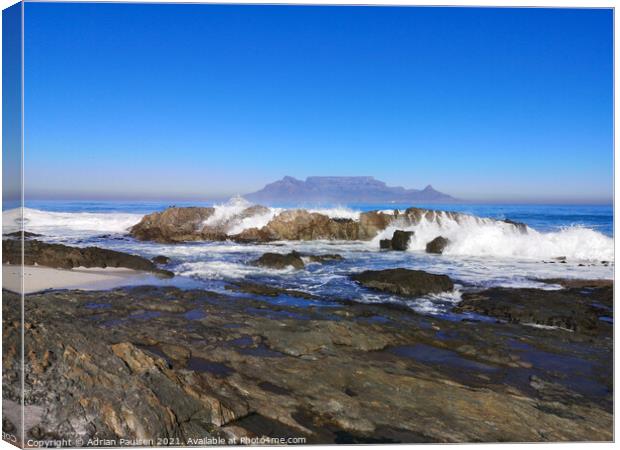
[(150, 362)]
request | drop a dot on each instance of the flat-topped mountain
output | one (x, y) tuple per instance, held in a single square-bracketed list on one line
[(343, 190)]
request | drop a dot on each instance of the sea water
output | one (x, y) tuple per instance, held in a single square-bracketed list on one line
[(482, 252)]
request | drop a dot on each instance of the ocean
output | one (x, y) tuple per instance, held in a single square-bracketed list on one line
[(482, 253)]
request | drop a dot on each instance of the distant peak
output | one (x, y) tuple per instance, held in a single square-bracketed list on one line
[(429, 188)]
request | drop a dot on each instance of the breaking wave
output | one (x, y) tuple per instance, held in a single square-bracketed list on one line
[(230, 216), (70, 223), (475, 236)]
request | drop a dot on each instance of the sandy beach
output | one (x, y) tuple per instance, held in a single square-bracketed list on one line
[(38, 278)]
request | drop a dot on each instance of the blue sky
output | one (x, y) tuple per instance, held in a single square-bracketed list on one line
[(204, 101)]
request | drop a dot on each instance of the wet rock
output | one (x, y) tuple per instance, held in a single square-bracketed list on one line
[(178, 353), (437, 245), (65, 257), (578, 283), (385, 244), (252, 235), (400, 240), (161, 259), (321, 259), (261, 289), (572, 309), (172, 225), (405, 282), (280, 261)]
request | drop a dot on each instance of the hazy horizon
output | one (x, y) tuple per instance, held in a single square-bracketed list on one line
[(206, 197), (200, 102)]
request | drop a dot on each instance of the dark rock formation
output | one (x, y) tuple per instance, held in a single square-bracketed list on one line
[(385, 244), (405, 282), (437, 245), (573, 308), (161, 259), (280, 261), (65, 257), (400, 240)]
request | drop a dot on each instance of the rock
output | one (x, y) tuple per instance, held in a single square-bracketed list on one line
[(385, 244), (270, 291), (373, 222), (405, 282), (573, 309), (173, 225), (160, 259), (518, 225), (437, 245), (280, 261), (400, 240), (178, 353), (249, 368), (577, 283), (321, 259), (301, 225), (64, 257), (251, 235)]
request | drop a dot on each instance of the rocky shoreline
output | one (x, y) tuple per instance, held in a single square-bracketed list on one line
[(151, 362), (67, 257), (255, 360)]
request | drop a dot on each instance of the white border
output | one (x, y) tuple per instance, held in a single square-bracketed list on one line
[(478, 3)]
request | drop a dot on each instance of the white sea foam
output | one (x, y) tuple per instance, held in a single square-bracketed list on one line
[(221, 270), (68, 223), (474, 236), (229, 216), (338, 212)]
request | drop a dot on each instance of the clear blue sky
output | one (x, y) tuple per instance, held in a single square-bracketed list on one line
[(199, 101)]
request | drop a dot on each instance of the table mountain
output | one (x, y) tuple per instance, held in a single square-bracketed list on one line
[(345, 190)]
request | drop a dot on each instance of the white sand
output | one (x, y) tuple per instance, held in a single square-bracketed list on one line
[(38, 278)]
